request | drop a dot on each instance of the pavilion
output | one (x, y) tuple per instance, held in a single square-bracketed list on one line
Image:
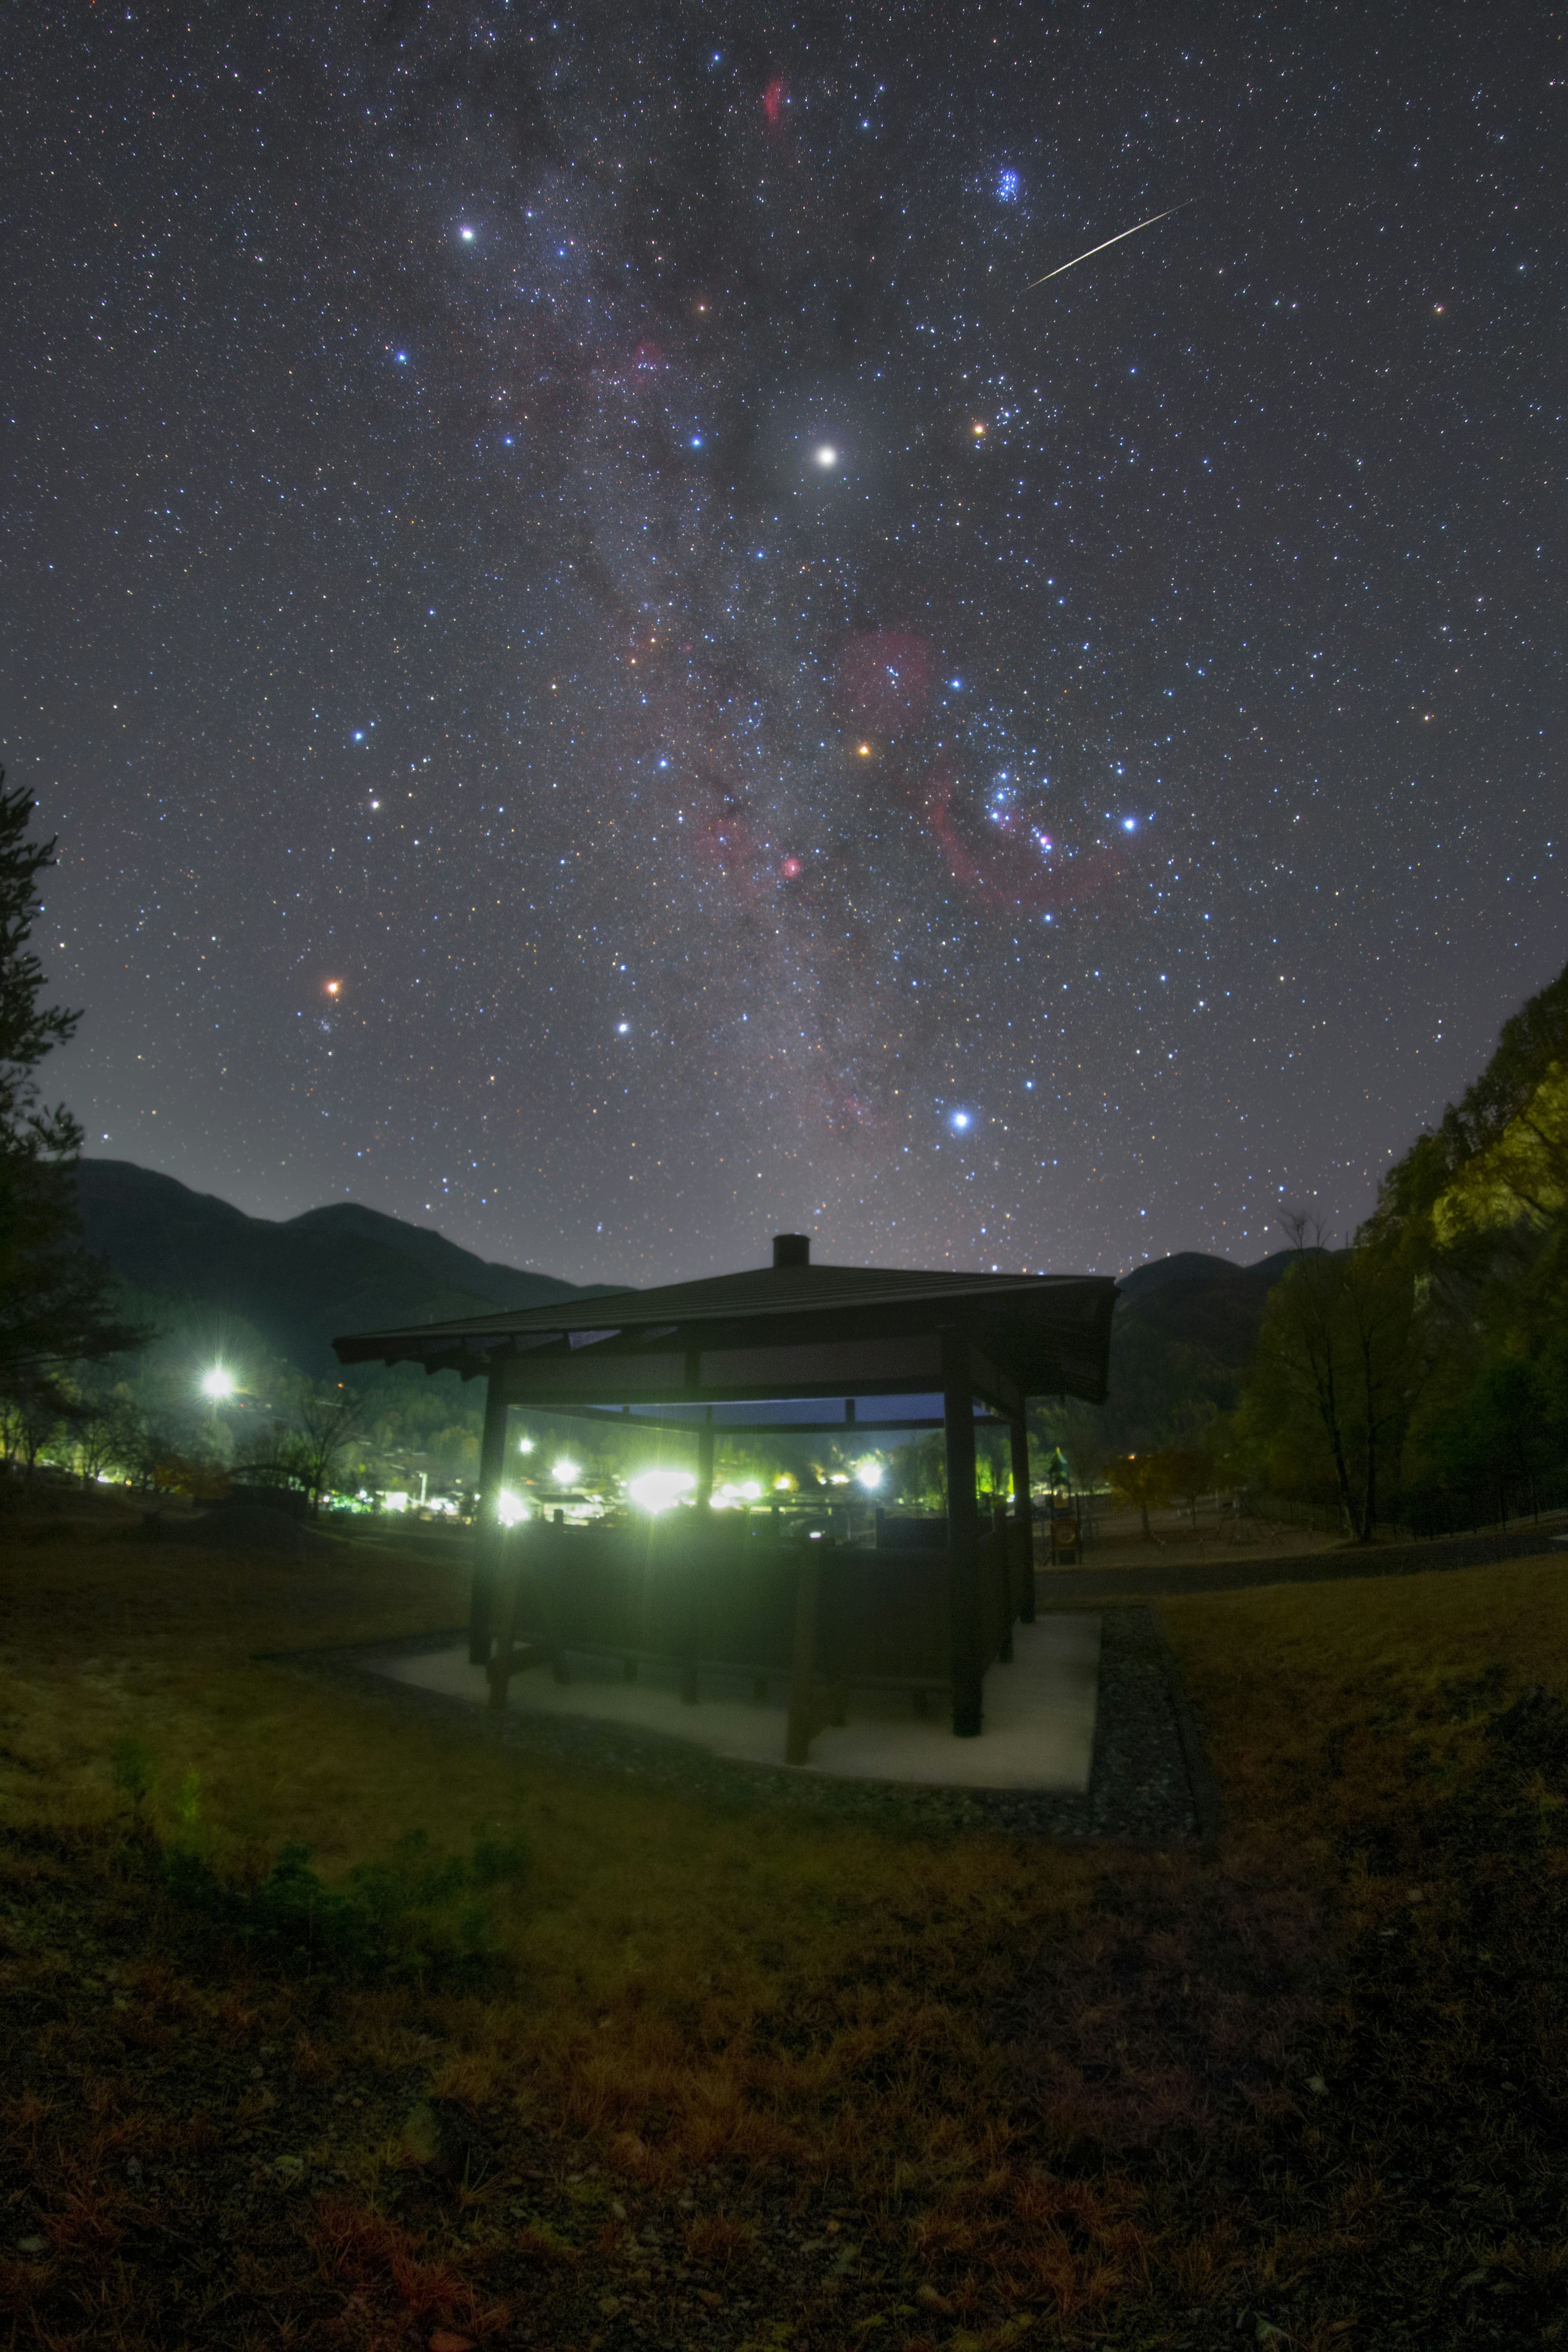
[(788, 1348)]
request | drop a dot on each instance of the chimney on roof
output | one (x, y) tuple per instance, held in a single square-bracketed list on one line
[(791, 1249)]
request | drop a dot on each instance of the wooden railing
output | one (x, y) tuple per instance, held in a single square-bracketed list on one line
[(693, 1596)]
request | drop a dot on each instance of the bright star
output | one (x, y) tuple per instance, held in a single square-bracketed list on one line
[(961, 1120), (826, 457), (467, 235)]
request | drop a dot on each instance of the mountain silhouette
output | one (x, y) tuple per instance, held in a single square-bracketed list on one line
[(302, 1281)]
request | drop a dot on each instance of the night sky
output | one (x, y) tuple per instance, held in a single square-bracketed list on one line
[(610, 681)]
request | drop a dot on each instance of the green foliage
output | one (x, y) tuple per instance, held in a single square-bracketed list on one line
[(1342, 1357), (1429, 1364), (386, 1918), (186, 1807), (1530, 1052), (56, 1304), (132, 1770), (1142, 1480)]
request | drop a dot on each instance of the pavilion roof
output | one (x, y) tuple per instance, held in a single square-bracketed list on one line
[(1047, 1333)]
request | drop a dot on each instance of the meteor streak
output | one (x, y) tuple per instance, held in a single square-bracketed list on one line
[(1110, 240)]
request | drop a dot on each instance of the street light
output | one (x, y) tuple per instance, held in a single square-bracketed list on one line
[(217, 1384)]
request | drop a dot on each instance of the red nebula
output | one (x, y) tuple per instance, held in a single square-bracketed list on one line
[(774, 98), (790, 868), (1003, 867), (884, 679)]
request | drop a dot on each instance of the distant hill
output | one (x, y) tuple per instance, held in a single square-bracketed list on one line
[(1185, 1331), (301, 1282), (1206, 1301)]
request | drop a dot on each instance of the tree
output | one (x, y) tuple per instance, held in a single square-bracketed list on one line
[(328, 1416), (108, 1436), (1339, 1364), (31, 1417), (1192, 1470), (56, 1304), (1143, 1479), (1501, 1153)]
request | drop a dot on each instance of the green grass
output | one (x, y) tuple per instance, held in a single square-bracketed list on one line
[(400, 2028)]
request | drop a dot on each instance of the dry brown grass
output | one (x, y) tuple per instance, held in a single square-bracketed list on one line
[(1030, 2089)]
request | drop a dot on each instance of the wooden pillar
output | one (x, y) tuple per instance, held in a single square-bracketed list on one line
[(503, 1616), (962, 1537), (1024, 1515), (489, 1534), (802, 1721)]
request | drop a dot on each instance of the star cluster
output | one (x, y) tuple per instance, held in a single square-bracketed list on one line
[(613, 676)]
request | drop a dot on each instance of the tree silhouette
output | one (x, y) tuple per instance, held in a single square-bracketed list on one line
[(56, 1304)]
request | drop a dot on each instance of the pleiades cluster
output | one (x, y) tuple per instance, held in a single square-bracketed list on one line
[(649, 625)]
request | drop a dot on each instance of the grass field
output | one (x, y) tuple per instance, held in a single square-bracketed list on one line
[(525, 2053)]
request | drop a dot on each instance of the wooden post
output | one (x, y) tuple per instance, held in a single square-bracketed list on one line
[(798, 1740), (1024, 1514), (962, 1537), (490, 1534), (1002, 1535), (509, 1567)]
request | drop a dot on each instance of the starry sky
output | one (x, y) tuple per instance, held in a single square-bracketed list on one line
[(613, 676)]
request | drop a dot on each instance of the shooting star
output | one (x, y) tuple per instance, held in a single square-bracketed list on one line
[(1110, 240)]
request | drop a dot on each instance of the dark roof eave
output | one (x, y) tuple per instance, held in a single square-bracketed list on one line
[(694, 1308)]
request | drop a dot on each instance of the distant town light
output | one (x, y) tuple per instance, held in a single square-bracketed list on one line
[(660, 1490), (565, 1471), (870, 1475)]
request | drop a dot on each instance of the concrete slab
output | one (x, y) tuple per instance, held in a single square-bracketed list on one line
[(1039, 1713)]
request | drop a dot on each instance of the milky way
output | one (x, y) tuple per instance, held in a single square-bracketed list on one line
[(613, 676)]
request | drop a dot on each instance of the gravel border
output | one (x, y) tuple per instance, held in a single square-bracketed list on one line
[(1149, 1781)]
